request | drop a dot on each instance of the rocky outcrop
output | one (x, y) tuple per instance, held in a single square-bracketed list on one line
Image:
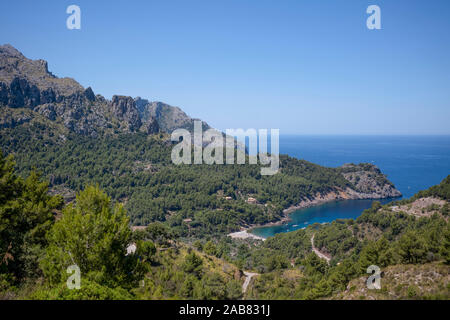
[(168, 117), (423, 207), (4, 94), (19, 93), (48, 110), (13, 65), (124, 109), (368, 182), (89, 94), (26, 83), (151, 126), (48, 96)]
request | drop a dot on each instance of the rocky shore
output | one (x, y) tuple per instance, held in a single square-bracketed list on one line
[(366, 181)]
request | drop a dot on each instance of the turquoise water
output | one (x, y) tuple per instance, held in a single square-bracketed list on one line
[(412, 163)]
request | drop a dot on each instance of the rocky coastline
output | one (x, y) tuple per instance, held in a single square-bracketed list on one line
[(367, 180)]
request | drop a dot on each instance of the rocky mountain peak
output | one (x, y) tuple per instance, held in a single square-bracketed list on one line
[(89, 94), (26, 83), (169, 117), (9, 50)]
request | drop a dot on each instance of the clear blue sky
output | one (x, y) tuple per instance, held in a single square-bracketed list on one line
[(308, 67)]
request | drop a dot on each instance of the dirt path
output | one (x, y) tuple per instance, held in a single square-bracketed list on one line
[(248, 278), (318, 253)]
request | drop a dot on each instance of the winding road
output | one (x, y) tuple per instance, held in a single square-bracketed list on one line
[(250, 275), (248, 278)]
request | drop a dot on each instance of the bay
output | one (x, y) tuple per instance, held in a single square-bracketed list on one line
[(412, 163)]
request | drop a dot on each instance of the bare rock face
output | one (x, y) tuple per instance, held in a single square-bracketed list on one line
[(89, 94), (19, 93), (48, 96), (368, 181), (14, 65), (169, 117), (151, 126), (47, 110), (26, 83), (3, 94), (124, 109)]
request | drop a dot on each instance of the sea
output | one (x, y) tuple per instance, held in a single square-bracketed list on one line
[(411, 163)]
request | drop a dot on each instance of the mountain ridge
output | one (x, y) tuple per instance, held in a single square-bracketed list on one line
[(26, 83)]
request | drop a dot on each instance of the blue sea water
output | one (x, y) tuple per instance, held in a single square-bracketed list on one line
[(412, 163)]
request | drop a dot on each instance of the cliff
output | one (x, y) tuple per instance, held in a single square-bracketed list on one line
[(366, 181), (28, 84)]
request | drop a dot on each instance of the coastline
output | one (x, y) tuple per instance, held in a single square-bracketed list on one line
[(337, 195), (245, 234)]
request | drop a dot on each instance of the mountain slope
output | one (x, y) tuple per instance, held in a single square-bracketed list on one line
[(401, 282), (412, 252), (26, 83), (169, 118), (76, 138)]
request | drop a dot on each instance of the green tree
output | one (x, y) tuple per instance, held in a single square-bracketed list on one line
[(94, 235), (193, 264), (445, 249), (314, 265), (211, 287), (89, 290), (412, 248), (158, 233), (210, 248), (233, 290), (198, 245), (146, 250), (26, 214), (376, 253), (187, 287)]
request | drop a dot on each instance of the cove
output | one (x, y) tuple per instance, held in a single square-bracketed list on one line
[(327, 212)]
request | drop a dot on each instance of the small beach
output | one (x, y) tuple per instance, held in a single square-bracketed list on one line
[(245, 235)]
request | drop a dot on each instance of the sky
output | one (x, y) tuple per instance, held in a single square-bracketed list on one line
[(304, 67)]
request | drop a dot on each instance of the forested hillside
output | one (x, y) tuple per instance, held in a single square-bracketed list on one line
[(76, 138), (136, 169), (417, 247), (41, 237)]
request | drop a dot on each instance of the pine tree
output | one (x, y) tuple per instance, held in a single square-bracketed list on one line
[(92, 234)]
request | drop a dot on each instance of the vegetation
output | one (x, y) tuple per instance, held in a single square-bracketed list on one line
[(39, 242), (108, 168), (26, 215), (94, 235), (133, 168), (440, 191), (379, 237), (41, 237)]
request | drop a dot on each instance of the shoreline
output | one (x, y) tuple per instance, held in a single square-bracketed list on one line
[(246, 233)]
